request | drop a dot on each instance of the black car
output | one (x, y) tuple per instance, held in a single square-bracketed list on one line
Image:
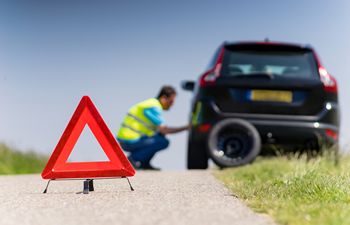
[(256, 97)]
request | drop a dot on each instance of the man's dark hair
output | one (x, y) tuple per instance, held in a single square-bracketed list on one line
[(167, 91)]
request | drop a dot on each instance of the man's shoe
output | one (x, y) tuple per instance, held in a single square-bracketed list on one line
[(149, 167), (139, 166), (135, 164)]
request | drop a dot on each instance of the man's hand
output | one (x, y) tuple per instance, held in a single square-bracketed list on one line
[(171, 130)]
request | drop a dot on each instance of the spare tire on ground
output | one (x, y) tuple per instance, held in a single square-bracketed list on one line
[(233, 142)]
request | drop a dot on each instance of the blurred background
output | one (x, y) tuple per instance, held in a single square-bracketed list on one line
[(119, 53)]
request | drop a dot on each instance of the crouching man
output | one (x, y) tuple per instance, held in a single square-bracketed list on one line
[(143, 130)]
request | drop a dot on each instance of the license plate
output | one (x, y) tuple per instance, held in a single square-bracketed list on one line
[(270, 96)]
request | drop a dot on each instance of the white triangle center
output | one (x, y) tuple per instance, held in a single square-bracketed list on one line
[(87, 148)]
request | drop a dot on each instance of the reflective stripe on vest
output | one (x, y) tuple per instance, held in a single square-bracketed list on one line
[(139, 132), (142, 122), (136, 124)]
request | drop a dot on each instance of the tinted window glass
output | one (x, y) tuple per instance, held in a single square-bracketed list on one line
[(286, 62)]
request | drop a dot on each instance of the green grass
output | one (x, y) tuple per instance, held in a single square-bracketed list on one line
[(295, 189), (13, 161)]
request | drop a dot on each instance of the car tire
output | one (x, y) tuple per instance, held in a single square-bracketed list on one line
[(233, 142), (196, 156)]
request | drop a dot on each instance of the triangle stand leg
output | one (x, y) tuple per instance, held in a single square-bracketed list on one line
[(46, 187), (132, 189)]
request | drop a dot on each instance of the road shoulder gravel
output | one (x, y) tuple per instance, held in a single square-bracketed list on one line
[(185, 197)]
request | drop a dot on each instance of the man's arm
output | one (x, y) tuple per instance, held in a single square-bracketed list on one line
[(171, 130), (154, 114)]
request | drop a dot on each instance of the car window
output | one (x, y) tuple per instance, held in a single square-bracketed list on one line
[(287, 63)]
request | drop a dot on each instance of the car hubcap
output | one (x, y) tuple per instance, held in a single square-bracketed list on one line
[(232, 144)]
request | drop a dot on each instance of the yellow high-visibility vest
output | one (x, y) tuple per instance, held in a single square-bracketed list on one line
[(136, 124)]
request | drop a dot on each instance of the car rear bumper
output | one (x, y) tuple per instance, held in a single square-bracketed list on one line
[(288, 132), (292, 136), (328, 114)]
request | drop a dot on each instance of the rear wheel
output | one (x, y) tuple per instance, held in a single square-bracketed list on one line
[(233, 142)]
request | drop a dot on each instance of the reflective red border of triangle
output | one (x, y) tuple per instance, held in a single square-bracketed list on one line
[(58, 167)]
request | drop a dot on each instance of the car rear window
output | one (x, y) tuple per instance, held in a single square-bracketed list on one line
[(269, 59)]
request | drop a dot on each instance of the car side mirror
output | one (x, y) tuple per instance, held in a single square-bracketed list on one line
[(187, 85)]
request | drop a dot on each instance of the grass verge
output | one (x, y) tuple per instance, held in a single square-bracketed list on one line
[(13, 161), (295, 189)]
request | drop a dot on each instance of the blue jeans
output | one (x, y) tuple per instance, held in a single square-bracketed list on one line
[(144, 149)]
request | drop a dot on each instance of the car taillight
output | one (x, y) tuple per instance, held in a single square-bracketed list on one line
[(331, 133), (203, 128), (328, 81), (208, 78)]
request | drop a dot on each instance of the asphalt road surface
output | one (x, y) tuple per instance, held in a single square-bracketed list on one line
[(186, 197)]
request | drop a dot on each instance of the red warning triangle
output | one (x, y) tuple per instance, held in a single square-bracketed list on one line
[(58, 167)]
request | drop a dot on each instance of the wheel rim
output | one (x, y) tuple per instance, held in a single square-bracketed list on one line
[(232, 145)]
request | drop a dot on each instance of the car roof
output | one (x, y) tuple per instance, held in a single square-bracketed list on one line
[(304, 46)]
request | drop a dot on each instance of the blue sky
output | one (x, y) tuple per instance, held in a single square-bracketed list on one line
[(121, 52)]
